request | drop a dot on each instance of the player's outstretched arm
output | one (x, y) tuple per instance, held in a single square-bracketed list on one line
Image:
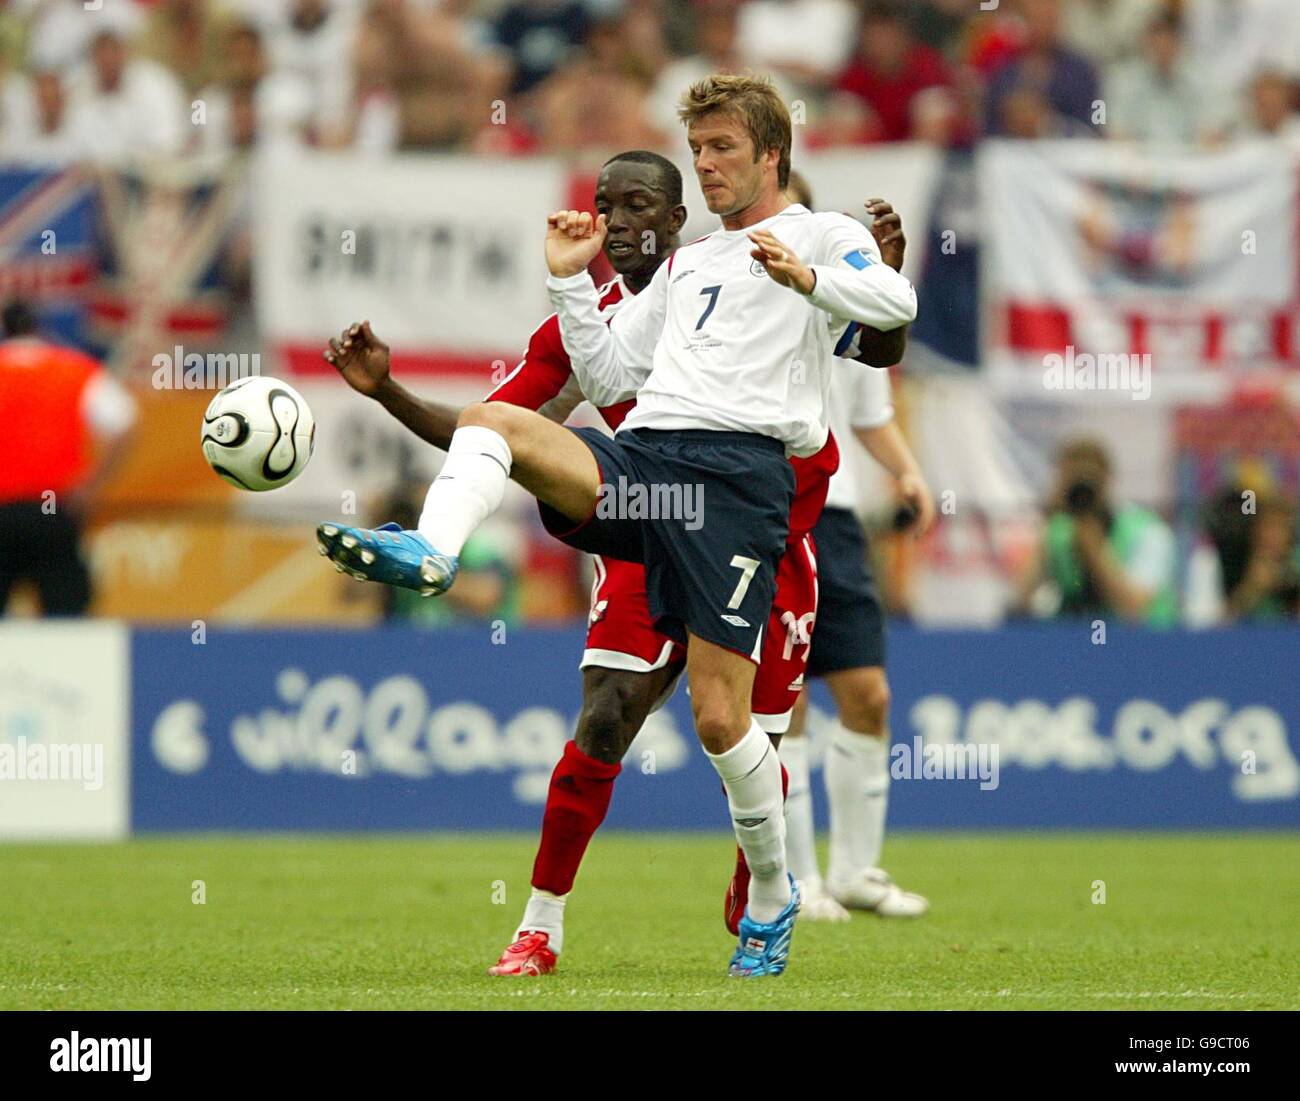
[(363, 361), (849, 282), (610, 361)]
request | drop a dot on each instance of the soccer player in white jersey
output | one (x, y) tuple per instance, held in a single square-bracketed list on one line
[(728, 352)]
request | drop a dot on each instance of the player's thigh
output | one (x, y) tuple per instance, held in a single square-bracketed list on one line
[(721, 683), (547, 459), (861, 697), (615, 705)]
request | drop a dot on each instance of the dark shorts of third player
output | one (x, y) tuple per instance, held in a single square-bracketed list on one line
[(850, 630)]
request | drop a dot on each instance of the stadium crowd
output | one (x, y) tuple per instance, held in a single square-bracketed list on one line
[(560, 76)]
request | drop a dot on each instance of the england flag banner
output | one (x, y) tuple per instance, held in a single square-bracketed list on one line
[(1119, 272), (442, 254)]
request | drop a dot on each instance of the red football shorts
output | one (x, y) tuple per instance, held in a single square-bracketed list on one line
[(620, 634)]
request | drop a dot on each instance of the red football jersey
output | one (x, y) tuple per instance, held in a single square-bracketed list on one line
[(543, 381)]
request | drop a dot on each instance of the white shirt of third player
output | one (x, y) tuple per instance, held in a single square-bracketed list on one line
[(714, 343), (860, 398)]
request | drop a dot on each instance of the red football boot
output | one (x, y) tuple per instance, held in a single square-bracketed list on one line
[(529, 955), (737, 895)]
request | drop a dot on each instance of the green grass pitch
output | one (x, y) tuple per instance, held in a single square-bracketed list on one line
[(1189, 921)]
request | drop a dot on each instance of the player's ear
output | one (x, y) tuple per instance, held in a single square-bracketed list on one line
[(677, 218)]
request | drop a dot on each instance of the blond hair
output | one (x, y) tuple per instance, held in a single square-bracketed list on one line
[(754, 101)]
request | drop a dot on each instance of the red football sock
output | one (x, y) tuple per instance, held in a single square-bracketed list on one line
[(576, 802)]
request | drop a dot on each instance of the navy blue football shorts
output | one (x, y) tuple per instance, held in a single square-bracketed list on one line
[(850, 629), (705, 512)]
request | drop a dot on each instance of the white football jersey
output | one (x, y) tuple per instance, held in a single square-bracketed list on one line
[(860, 398), (714, 343)]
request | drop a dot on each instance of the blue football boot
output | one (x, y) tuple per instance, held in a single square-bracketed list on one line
[(388, 554), (764, 947)]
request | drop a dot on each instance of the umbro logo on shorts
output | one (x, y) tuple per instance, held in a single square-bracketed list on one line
[(735, 620)]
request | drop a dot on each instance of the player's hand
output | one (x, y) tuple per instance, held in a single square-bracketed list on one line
[(573, 238), (781, 262), (887, 229), (916, 494), (361, 358)]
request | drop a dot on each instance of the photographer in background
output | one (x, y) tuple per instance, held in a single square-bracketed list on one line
[(1248, 566), (1098, 558)]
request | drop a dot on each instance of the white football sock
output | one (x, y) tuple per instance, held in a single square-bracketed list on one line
[(857, 784), (800, 837), (751, 774), (468, 489), (545, 914)]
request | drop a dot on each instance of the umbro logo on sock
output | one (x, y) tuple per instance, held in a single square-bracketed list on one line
[(750, 823)]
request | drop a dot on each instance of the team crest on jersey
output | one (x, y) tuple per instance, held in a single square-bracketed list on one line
[(756, 268)]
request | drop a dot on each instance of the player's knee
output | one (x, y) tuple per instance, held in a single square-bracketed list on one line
[(716, 722), (612, 713), (486, 414), (865, 708)]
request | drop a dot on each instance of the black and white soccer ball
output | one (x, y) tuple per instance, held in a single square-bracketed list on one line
[(258, 433)]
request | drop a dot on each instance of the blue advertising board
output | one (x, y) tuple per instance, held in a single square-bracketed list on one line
[(1033, 726)]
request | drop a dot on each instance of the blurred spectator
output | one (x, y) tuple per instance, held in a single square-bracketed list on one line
[(591, 103), (1105, 31), (122, 107), (1230, 41), (82, 413), (488, 581), (188, 37), (252, 105), (806, 41), (716, 41), (890, 69), (60, 31), (1248, 566), (313, 43), (1043, 72), (941, 24), (1273, 112), (37, 126), (1026, 112), (540, 35), (417, 84), (1099, 558), (1159, 97)]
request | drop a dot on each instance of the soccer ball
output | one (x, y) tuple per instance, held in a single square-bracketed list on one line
[(258, 433)]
